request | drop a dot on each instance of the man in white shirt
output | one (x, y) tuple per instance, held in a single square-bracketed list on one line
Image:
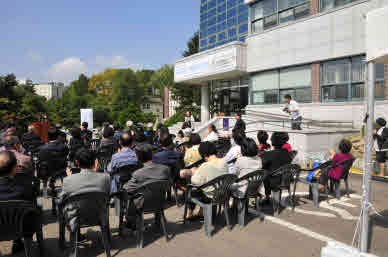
[(292, 108)]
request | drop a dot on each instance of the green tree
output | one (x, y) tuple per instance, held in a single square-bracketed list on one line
[(192, 45)]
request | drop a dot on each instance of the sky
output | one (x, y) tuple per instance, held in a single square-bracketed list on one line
[(46, 40)]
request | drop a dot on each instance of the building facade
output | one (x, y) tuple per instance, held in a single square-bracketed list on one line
[(313, 50), (51, 90)]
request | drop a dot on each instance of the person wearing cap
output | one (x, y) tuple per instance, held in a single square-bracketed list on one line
[(129, 128), (381, 144)]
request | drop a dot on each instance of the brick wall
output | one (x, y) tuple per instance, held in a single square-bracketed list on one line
[(314, 7), (316, 82), (386, 81)]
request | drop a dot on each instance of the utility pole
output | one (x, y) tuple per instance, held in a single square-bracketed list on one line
[(368, 162)]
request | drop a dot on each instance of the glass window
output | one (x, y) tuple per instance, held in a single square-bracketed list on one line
[(335, 93), (335, 72), (358, 69), (232, 12), (265, 80), (295, 77), (221, 26), (203, 8), (270, 21), (286, 16), (221, 8), (212, 13), (243, 29), (211, 4), (285, 4), (212, 30), (330, 4), (232, 22), (379, 71), (203, 42), (241, 39), (243, 18), (222, 36), (212, 40), (221, 17), (257, 26), (203, 1), (301, 11), (232, 3), (232, 33), (265, 97), (212, 22), (243, 9)]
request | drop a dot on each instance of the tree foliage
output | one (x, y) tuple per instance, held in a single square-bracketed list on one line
[(192, 45)]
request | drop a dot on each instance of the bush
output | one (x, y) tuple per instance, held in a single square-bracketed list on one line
[(174, 119)]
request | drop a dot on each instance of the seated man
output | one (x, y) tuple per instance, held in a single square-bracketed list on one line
[(88, 180), (108, 145), (210, 169), (150, 172), (31, 141), (11, 190), (52, 159), (24, 164), (166, 155), (125, 157)]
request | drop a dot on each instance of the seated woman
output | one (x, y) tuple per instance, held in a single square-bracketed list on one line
[(192, 155), (285, 138), (180, 138), (345, 146), (273, 160), (210, 169), (212, 134), (249, 162), (262, 137), (234, 152)]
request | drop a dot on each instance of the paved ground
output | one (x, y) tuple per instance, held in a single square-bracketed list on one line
[(294, 234)]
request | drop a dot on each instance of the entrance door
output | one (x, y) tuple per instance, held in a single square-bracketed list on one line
[(231, 100)]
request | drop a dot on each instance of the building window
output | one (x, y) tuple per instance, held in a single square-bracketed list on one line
[(331, 4), (266, 14), (343, 80), (269, 87), (146, 106)]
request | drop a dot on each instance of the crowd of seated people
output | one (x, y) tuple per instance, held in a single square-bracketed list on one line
[(153, 155)]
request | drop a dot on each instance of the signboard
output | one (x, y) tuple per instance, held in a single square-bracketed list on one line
[(87, 116), (225, 124), (376, 39), (208, 64)]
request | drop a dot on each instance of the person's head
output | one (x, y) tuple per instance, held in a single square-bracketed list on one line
[(180, 134), (144, 153), (150, 126), (8, 164), (129, 124), (105, 124), (212, 128), (85, 159), (52, 134), (84, 125), (12, 143), (194, 139), (207, 149), (31, 128), (75, 132), (237, 116), (58, 126), (188, 114), (108, 132), (163, 130), (278, 139), (381, 122), (345, 146), (262, 137), (126, 140), (249, 148), (139, 134), (287, 98), (165, 140), (238, 136)]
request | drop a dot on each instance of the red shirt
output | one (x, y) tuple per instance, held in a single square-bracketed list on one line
[(288, 147)]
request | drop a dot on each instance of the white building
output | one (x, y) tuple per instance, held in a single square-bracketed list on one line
[(51, 90), (313, 50)]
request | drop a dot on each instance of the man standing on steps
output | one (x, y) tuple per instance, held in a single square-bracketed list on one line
[(240, 124), (292, 108)]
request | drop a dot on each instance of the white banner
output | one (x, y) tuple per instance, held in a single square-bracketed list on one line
[(87, 116)]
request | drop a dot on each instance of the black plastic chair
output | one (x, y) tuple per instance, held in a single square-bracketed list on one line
[(81, 211), (154, 201), (220, 196), (347, 165), (314, 184), (286, 175), (13, 216), (250, 185)]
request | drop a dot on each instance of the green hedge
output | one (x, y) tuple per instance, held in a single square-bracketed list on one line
[(174, 119)]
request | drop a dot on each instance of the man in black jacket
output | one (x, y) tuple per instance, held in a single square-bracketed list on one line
[(240, 124), (381, 144), (53, 158), (11, 189), (31, 141)]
